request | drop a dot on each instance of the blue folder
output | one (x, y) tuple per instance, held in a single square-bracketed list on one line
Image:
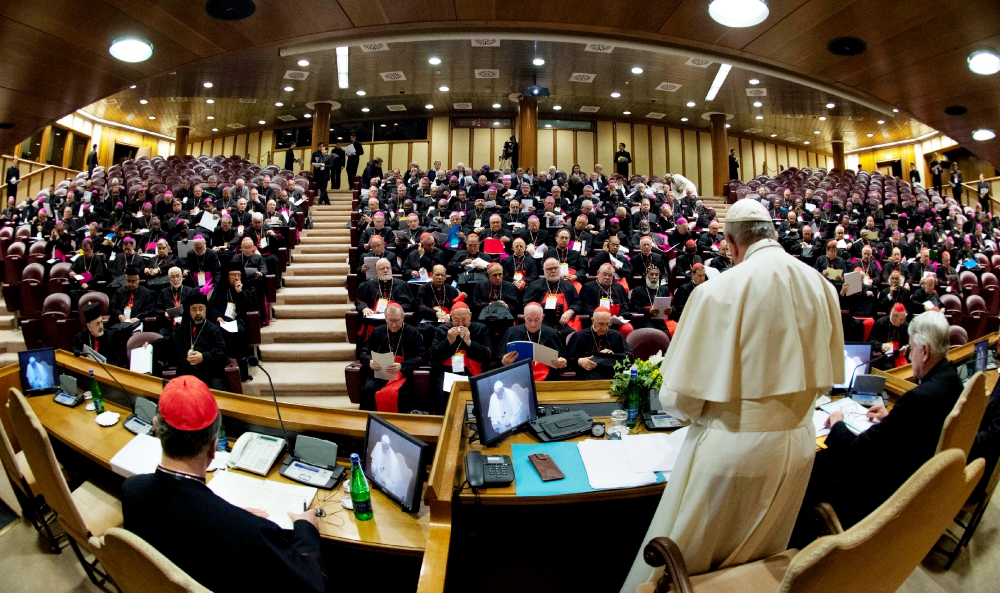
[(566, 456)]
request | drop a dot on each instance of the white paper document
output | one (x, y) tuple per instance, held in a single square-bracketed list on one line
[(855, 415), (349, 150), (230, 326), (141, 360), (819, 421), (274, 498), (451, 378), (371, 274), (853, 282), (661, 304), (545, 355), (607, 466), (384, 359), (140, 456), (655, 452)]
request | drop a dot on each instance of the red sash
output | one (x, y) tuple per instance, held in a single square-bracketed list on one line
[(898, 359), (366, 329), (575, 283), (387, 398), (574, 323), (624, 284), (539, 370)]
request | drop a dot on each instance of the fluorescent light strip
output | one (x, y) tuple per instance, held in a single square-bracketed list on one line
[(112, 124), (342, 67), (717, 83), (896, 143)]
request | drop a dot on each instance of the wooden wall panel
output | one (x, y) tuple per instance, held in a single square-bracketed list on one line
[(162, 148), (691, 155), (793, 157), (460, 147), (640, 151), (253, 147), (705, 186), (658, 149), (803, 158), (227, 145), (675, 150), (771, 159), (759, 156), (378, 150), (546, 147), (421, 155), (439, 141), (240, 146), (399, 156), (482, 148), (746, 157), (500, 135), (606, 146), (565, 153), (585, 152), (266, 148)]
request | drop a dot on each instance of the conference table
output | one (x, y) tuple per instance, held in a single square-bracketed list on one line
[(452, 519)]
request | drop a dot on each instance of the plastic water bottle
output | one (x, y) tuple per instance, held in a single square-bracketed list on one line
[(95, 393), (632, 400), (361, 496)]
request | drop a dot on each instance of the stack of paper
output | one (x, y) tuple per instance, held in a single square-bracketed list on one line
[(855, 415), (655, 452), (251, 493), (140, 456), (819, 423), (608, 468)]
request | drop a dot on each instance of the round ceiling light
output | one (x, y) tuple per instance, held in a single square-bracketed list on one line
[(429, 106), (538, 62), (215, 129), (361, 93), (556, 107), (211, 117), (261, 122), (132, 87), (365, 110), (383, 125), (152, 117), (846, 46), (691, 103), (983, 134), (210, 101), (303, 63), (548, 125), (738, 13), (728, 126), (754, 81), (207, 85), (831, 105), (131, 49), (143, 101), (822, 118), (615, 95), (774, 135), (279, 104), (443, 89), (496, 106), (894, 110), (434, 61), (308, 115), (760, 117), (984, 62), (870, 135), (684, 119), (637, 70), (626, 113), (880, 122), (806, 142), (496, 123), (289, 89), (758, 104), (816, 132)]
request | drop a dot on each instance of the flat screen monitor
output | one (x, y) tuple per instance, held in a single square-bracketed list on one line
[(857, 361), (503, 401), (982, 355), (394, 462), (38, 371)]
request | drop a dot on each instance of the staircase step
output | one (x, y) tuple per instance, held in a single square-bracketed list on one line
[(298, 331), (12, 341), (307, 352), (7, 321), (11, 358), (329, 233), (321, 311), (318, 269), (302, 281), (329, 225), (311, 295), (320, 258), (322, 248), (305, 380)]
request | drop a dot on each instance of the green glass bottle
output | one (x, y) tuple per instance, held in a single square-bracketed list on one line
[(361, 496), (95, 393), (632, 399)]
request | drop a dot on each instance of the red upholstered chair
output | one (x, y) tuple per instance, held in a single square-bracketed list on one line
[(969, 283), (58, 327), (33, 291), (59, 277), (989, 289), (995, 260), (421, 381), (22, 233), (953, 309), (984, 262), (975, 317), (36, 253), (14, 263), (231, 375), (93, 297), (958, 336), (137, 340), (647, 341)]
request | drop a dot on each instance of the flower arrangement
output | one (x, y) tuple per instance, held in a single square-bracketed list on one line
[(648, 377)]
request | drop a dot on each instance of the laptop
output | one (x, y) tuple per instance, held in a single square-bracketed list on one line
[(868, 390)]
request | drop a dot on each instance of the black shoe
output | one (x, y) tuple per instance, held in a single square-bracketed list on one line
[(246, 379)]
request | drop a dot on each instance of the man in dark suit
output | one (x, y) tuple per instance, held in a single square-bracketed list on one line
[(176, 513), (322, 164), (339, 158), (460, 337), (353, 160), (897, 444), (92, 161), (290, 157), (12, 177), (407, 347)]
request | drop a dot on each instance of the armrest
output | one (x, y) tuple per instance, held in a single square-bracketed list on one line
[(636, 316), (422, 380), (169, 373), (351, 283), (352, 373), (662, 551), (283, 257), (151, 323), (253, 327), (234, 385), (271, 286), (31, 332), (567, 375), (353, 255), (584, 321), (352, 321), (826, 520), (300, 221), (355, 235)]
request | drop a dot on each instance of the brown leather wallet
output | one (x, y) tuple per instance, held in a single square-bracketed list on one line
[(545, 467)]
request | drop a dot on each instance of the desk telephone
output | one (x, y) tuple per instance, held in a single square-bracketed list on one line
[(255, 453), (488, 471)]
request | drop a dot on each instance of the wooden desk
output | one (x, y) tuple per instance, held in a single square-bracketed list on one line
[(390, 531)]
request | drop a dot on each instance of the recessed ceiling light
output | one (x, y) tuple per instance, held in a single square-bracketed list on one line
[(429, 106), (637, 70), (754, 81), (279, 104), (289, 88), (262, 122), (984, 62), (556, 107), (496, 123), (143, 101), (870, 135), (215, 129), (361, 93), (728, 126), (760, 117), (211, 117), (615, 95), (684, 119), (496, 106), (894, 110), (443, 89), (434, 61), (822, 118), (308, 115), (131, 49), (816, 132), (691, 103), (132, 87), (626, 113), (738, 13), (207, 85), (983, 134), (806, 142), (152, 117), (774, 135), (548, 125), (365, 110), (303, 63), (538, 62), (383, 125), (758, 104), (343, 67), (881, 121), (831, 105), (210, 101), (340, 137)]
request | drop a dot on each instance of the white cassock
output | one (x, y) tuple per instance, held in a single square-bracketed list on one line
[(385, 470), (680, 184), (39, 375), (753, 350), (504, 413)]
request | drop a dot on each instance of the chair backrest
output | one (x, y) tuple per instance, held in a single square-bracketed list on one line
[(93, 297), (136, 340), (908, 524), (33, 273), (7, 454), (969, 282), (34, 441), (957, 335), (962, 424), (974, 304), (647, 341), (138, 567)]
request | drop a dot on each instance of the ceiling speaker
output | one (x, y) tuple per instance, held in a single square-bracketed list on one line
[(230, 10)]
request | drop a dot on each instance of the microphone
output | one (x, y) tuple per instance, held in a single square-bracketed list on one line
[(850, 384), (252, 361)]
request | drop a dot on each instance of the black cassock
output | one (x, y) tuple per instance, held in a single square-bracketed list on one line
[(189, 524), (207, 339), (406, 343), (143, 302), (109, 345), (546, 336), (477, 350), (396, 291), (587, 343)]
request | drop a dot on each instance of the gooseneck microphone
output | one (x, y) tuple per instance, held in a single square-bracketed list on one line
[(252, 361)]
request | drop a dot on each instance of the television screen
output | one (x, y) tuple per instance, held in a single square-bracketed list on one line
[(503, 401), (38, 371), (857, 361), (394, 462)]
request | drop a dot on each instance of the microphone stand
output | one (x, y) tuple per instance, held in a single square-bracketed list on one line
[(253, 361), (128, 396)]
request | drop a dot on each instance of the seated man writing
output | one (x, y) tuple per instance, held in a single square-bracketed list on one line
[(406, 346), (594, 352), (460, 347)]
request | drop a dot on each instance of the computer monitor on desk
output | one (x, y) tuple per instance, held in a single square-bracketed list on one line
[(503, 401), (394, 462), (857, 361), (38, 371)]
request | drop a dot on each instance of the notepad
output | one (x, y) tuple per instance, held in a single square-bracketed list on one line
[(855, 415), (608, 468), (275, 498)]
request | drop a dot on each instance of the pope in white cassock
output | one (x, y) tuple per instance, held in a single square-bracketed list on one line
[(505, 409), (385, 468), (39, 374), (753, 350)]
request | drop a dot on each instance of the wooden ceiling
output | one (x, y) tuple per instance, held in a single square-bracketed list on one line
[(55, 60)]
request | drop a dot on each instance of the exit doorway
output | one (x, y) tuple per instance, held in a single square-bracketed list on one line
[(893, 168)]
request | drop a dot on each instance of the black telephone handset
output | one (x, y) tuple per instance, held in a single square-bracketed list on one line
[(488, 471)]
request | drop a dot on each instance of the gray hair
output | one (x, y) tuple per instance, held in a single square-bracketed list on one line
[(749, 232), (931, 329), (258, 216)]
